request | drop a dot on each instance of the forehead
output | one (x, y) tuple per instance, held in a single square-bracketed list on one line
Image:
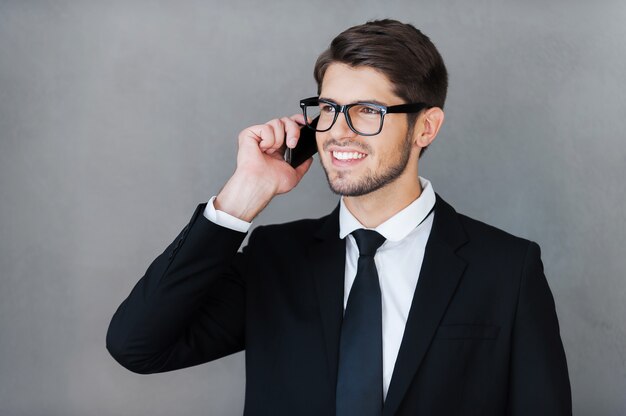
[(346, 84)]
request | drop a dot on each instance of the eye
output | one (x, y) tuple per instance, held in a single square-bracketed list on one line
[(326, 108), (367, 110)]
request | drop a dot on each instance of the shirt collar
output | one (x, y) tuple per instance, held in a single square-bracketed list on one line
[(398, 226)]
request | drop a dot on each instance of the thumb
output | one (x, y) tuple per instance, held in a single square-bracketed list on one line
[(303, 168)]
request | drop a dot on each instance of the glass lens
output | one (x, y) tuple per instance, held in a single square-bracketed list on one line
[(324, 111), (366, 119), (310, 112)]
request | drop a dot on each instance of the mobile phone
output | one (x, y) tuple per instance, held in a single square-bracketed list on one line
[(306, 147)]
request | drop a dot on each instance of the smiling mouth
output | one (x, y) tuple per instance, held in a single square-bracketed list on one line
[(347, 156)]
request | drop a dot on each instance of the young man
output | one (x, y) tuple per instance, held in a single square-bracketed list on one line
[(393, 304)]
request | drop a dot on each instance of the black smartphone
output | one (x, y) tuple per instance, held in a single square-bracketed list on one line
[(306, 147)]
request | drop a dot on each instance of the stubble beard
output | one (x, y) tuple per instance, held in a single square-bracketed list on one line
[(371, 181)]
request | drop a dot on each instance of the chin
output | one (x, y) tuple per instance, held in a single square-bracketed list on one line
[(356, 187), (348, 183), (342, 182)]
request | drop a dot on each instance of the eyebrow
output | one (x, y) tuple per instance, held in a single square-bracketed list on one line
[(370, 101)]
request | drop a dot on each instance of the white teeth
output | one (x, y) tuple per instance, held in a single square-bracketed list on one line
[(348, 155)]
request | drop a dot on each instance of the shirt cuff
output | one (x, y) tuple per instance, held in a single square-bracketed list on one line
[(225, 220)]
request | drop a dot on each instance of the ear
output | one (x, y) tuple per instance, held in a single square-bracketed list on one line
[(427, 126)]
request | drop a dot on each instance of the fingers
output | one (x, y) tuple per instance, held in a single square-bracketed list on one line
[(275, 134), (278, 136), (292, 130), (263, 134), (298, 118)]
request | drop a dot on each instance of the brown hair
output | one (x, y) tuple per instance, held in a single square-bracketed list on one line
[(398, 50)]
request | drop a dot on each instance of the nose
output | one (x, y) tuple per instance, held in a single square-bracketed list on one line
[(341, 128)]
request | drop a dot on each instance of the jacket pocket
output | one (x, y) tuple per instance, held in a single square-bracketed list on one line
[(462, 331)]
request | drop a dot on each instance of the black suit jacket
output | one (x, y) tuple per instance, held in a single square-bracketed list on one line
[(482, 336)]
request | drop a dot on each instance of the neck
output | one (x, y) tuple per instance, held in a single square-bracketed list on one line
[(377, 207)]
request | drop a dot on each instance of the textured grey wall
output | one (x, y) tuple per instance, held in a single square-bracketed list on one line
[(117, 118)]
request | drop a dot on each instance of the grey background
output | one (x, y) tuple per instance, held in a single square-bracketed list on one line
[(117, 118)]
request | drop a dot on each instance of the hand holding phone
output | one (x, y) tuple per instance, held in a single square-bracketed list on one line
[(306, 147)]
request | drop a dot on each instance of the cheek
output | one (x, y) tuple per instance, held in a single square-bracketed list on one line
[(384, 147), (388, 153)]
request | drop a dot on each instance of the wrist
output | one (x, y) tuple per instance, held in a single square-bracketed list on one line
[(244, 196)]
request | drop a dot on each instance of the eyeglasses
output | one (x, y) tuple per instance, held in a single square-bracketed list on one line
[(363, 118)]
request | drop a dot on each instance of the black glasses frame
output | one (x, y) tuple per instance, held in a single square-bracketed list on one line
[(401, 108)]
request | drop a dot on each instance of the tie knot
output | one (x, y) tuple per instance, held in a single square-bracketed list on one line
[(368, 241)]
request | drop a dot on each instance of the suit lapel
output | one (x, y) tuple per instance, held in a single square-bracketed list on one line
[(439, 277), (327, 256)]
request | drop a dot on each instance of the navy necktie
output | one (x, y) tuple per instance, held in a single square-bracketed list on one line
[(360, 371)]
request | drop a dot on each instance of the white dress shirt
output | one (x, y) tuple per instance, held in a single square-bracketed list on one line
[(398, 262)]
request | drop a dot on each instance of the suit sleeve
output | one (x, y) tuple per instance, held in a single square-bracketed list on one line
[(539, 383), (189, 307)]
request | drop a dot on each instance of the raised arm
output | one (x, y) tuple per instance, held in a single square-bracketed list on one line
[(189, 307)]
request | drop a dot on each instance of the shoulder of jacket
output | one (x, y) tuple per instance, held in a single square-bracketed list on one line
[(483, 233)]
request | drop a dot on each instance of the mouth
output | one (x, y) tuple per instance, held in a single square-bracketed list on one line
[(346, 159)]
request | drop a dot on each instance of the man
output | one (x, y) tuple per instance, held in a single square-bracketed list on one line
[(393, 304)]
